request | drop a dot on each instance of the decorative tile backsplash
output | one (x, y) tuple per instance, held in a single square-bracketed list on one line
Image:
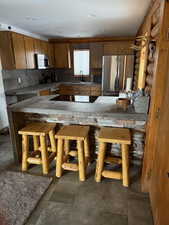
[(67, 75), (15, 79)]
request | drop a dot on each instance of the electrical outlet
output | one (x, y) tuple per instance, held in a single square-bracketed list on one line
[(19, 80)]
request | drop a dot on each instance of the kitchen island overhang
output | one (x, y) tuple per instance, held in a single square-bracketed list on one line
[(41, 108)]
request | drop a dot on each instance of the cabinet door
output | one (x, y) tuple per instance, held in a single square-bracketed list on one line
[(6, 50), (96, 55), (62, 56), (159, 184), (118, 48), (95, 91), (37, 46), (51, 54), (44, 47), (29, 48), (19, 51)]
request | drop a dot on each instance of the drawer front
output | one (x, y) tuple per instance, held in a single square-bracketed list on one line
[(95, 93), (65, 92), (96, 88)]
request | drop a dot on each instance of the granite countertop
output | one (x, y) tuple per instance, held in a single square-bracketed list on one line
[(44, 105), (53, 86), (33, 89)]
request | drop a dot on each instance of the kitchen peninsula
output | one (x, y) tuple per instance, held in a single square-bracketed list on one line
[(95, 114)]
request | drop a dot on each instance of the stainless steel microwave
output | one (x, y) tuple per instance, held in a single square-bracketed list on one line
[(42, 61)]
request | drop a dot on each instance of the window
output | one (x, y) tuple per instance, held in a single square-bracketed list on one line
[(81, 62)]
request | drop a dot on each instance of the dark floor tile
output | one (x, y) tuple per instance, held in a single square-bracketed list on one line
[(55, 214), (61, 196), (65, 191), (139, 210), (106, 218), (70, 178), (109, 196), (97, 217)]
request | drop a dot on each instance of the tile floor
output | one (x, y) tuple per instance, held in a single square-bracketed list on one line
[(68, 201)]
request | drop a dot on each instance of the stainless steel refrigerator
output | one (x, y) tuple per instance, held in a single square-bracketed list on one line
[(116, 70)]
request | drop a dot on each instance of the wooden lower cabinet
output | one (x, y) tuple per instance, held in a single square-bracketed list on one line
[(80, 90)]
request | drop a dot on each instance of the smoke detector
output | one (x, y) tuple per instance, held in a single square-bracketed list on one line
[(4, 27)]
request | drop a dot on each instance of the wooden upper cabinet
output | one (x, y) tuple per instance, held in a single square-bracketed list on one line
[(96, 55), (37, 46), (118, 48), (6, 51), (12, 47), (29, 48), (44, 47), (51, 55), (62, 56), (19, 50)]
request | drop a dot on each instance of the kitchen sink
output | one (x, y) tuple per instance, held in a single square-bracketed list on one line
[(75, 98)]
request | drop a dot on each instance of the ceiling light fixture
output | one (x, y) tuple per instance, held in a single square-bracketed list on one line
[(32, 18), (92, 15)]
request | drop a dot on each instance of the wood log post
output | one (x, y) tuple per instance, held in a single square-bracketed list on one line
[(45, 161), (148, 90), (155, 31), (81, 160), (25, 150), (100, 161), (156, 17), (59, 159), (150, 68), (125, 164), (149, 80)]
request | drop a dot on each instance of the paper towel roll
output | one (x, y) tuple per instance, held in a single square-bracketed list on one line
[(128, 84)]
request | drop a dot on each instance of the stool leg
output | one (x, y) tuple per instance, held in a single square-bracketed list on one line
[(45, 162), (81, 160), (66, 146), (100, 161), (66, 150), (52, 141), (25, 150), (86, 150), (59, 158), (36, 143), (125, 165)]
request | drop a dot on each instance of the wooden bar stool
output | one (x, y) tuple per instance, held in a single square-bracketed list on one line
[(80, 135), (113, 135), (42, 154)]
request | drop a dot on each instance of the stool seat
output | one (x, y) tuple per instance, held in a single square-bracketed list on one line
[(65, 135), (73, 132), (115, 135), (37, 129)]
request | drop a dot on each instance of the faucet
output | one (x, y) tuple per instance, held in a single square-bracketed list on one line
[(81, 76)]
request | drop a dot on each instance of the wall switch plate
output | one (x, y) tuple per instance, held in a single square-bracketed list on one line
[(19, 80), (168, 34)]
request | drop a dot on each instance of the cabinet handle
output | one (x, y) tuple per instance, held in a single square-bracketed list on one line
[(157, 116)]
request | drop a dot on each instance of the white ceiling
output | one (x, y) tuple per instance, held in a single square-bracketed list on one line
[(75, 18)]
